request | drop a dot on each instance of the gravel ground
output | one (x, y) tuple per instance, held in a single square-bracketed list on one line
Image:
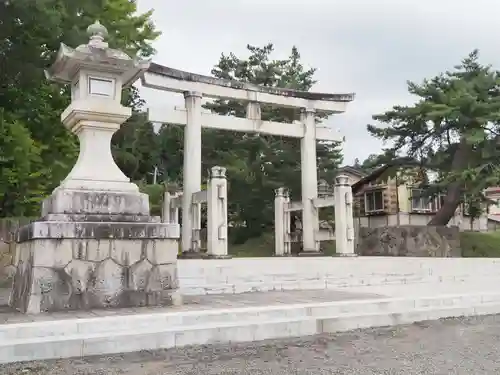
[(450, 346)]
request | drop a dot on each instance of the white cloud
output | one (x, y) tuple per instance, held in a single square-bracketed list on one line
[(370, 47)]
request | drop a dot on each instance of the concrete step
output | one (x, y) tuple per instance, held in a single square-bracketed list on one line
[(117, 334), (417, 290), (193, 287), (166, 318)]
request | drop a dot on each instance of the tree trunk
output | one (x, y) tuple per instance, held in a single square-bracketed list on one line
[(454, 192)]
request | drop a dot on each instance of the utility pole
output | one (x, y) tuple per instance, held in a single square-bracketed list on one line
[(155, 174)]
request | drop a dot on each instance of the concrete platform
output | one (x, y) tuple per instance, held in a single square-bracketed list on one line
[(241, 300), (223, 318)]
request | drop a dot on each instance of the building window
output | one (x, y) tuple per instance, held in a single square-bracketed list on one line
[(425, 204), (374, 201), (438, 202), (418, 202)]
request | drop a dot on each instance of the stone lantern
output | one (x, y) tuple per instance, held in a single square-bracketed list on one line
[(97, 75), (96, 245)]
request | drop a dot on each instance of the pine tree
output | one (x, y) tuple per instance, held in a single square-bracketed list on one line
[(452, 129)]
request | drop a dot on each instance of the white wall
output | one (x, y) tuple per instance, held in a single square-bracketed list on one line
[(198, 277)]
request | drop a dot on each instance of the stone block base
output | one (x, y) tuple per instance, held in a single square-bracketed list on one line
[(311, 254), (409, 240), (191, 255), (215, 256), (344, 255), (88, 265), (95, 202)]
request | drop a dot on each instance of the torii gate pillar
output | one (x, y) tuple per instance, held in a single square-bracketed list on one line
[(191, 172), (309, 181)]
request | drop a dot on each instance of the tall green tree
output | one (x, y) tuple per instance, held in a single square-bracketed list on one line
[(21, 169), (171, 153), (453, 129), (30, 35), (258, 164), (135, 145), (369, 164)]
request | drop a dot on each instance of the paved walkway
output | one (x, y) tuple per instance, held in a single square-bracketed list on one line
[(192, 303), (447, 347)]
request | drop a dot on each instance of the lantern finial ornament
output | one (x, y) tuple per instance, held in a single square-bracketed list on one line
[(97, 33)]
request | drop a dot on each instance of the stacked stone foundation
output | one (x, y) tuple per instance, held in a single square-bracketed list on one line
[(91, 260)]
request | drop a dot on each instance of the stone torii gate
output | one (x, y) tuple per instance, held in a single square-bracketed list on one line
[(195, 87)]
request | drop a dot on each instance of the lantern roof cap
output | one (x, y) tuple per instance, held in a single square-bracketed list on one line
[(95, 55)]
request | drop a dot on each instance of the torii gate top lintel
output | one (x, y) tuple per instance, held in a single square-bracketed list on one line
[(169, 79)]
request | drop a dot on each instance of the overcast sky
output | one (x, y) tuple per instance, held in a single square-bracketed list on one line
[(370, 47)]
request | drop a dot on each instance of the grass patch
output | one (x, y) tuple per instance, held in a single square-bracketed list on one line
[(255, 247), (263, 246), (480, 245)]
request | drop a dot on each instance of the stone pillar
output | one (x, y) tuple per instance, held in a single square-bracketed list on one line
[(309, 180), (191, 173), (96, 245), (195, 230), (170, 209), (165, 208), (217, 244), (344, 221), (281, 223)]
